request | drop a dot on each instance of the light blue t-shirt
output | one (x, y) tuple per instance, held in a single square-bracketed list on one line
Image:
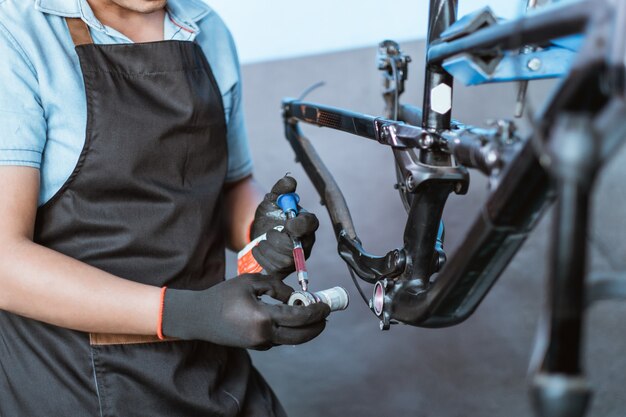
[(43, 111)]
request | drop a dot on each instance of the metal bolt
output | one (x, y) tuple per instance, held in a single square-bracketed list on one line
[(427, 141), (492, 157), (410, 183), (534, 64)]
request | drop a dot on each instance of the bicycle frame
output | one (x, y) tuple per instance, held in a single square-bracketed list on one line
[(417, 284)]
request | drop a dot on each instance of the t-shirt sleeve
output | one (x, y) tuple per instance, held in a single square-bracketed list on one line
[(239, 158), (22, 119)]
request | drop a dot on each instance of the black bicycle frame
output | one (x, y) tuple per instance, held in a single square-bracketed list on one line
[(417, 283)]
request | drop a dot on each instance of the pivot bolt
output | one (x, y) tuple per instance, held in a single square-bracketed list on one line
[(426, 141), (410, 183)]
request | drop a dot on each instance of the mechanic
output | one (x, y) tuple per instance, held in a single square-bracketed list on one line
[(125, 172)]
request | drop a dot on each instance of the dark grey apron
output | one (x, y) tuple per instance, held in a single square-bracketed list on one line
[(144, 203)]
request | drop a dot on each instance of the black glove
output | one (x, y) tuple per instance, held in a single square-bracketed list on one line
[(275, 253), (231, 314)]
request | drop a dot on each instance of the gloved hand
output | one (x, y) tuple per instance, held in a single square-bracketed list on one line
[(275, 253), (231, 314)]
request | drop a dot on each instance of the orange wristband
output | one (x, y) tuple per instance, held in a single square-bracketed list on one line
[(246, 264), (160, 319)]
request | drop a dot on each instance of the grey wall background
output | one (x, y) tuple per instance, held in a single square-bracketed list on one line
[(478, 368), (331, 25)]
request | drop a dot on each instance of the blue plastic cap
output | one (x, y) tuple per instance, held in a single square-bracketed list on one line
[(288, 202)]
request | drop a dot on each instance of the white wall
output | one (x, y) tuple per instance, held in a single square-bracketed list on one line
[(272, 29)]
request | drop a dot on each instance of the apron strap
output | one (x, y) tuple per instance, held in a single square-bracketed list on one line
[(79, 31)]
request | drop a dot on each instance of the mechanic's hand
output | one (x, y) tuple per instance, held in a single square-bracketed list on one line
[(231, 314), (275, 253)]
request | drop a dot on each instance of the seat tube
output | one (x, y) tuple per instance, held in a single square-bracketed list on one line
[(437, 106)]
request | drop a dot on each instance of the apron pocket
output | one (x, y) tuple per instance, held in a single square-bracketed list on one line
[(180, 378)]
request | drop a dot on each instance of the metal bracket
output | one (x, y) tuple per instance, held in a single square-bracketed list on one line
[(550, 62), (417, 173), (394, 65), (370, 268), (469, 24)]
